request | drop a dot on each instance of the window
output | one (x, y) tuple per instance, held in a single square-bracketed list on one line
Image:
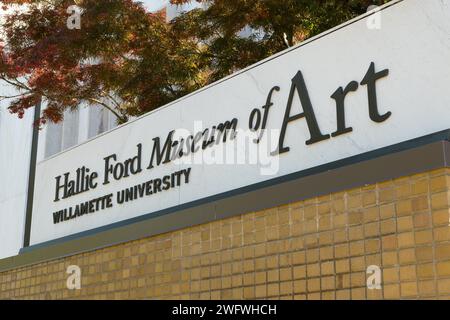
[(100, 120), (77, 127)]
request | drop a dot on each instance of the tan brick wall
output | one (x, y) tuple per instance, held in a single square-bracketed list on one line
[(314, 249)]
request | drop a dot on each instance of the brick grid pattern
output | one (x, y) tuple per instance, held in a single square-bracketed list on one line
[(314, 249)]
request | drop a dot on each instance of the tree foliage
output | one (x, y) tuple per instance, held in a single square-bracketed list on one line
[(275, 25), (132, 61)]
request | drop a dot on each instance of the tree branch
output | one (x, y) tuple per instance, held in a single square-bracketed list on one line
[(120, 117)]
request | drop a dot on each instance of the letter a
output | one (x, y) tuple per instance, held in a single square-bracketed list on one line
[(299, 85)]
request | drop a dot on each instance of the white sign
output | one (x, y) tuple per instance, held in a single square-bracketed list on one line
[(351, 91)]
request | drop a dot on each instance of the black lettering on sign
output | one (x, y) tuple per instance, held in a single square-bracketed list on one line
[(299, 86)]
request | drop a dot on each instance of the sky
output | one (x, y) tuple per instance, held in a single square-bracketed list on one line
[(153, 5)]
